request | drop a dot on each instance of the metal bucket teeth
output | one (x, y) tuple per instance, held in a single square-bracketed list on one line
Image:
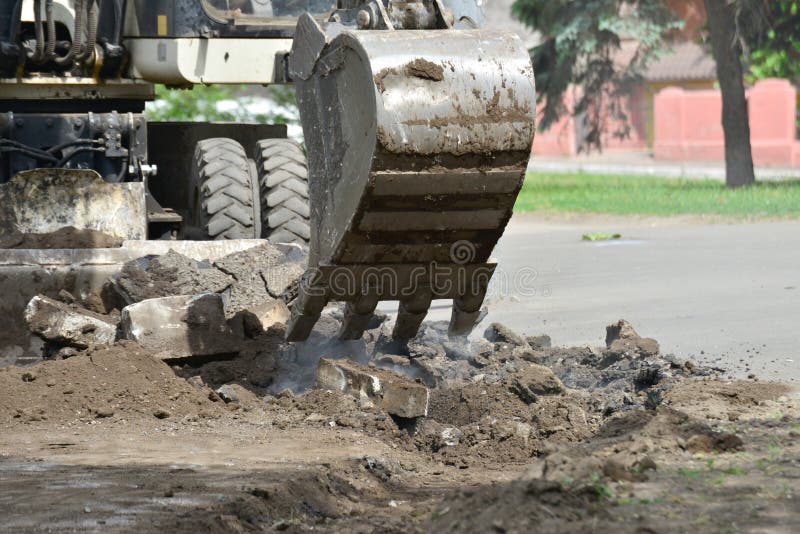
[(417, 143)]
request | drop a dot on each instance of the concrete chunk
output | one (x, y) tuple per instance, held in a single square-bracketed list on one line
[(622, 329), (388, 391), (533, 381), (622, 340), (167, 275), (67, 324), (180, 326), (260, 318), (261, 273), (499, 333)]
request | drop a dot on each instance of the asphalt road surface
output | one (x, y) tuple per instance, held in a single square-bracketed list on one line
[(726, 295), (723, 294)]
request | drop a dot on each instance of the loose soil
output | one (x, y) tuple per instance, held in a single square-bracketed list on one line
[(520, 437)]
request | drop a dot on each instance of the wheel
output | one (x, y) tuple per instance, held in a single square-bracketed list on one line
[(224, 199), (283, 186)]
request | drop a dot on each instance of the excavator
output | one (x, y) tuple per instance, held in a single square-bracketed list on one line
[(417, 129)]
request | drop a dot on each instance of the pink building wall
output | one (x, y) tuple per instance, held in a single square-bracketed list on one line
[(561, 139), (688, 124), (558, 140)]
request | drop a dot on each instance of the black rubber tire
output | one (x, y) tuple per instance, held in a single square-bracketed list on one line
[(223, 192), (283, 184)]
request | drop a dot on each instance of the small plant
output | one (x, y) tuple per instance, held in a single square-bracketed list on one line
[(600, 236), (653, 400), (735, 471), (601, 489), (689, 473), (719, 481)]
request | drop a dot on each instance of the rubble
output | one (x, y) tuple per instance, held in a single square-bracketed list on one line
[(262, 273), (180, 326), (167, 275), (388, 391), (177, 306), (246, 278), (234, 393), (498, 333), (68, 325), (534, 380), (261, 317)]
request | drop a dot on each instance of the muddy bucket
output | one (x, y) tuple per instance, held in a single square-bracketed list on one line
[(418, 143)]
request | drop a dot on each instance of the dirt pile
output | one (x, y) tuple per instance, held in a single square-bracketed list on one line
[(534, 437), (504, 400), (500, 398), (121, 381), (647, 470)]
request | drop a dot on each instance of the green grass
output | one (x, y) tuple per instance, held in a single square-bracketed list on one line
[(647, 195)]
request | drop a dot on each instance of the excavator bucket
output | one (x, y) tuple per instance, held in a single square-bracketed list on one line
[(418, 141)]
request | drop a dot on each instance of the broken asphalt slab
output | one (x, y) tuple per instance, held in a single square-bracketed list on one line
[(181, 326)]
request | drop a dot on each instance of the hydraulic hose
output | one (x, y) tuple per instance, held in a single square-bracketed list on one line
[(7, 145), (38, 55), (119, 17), (77, 37), (13, 26), (50, 50), (80, 150), (93, 19)]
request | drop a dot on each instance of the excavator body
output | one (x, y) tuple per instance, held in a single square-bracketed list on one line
[(417, 126)]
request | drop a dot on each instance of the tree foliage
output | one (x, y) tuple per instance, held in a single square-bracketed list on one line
[(222, 103), (582, 45), (776, 51)]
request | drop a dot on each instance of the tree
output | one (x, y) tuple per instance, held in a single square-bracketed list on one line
[(722, 21), (581, 45)]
